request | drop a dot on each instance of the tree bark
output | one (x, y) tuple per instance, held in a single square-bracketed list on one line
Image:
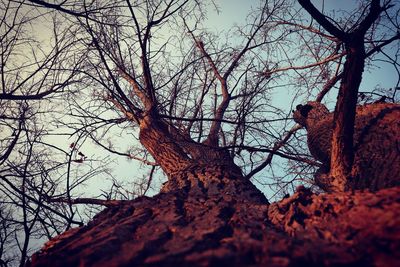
[(227, 222)]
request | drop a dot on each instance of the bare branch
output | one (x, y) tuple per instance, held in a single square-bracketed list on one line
[(322, 20), (274, 150), (91, 201), (322, 62)]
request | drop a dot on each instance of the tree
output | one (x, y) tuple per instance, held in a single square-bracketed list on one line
[(199, 107), (35, 76)]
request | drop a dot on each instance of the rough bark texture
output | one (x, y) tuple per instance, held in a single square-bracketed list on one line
[(205, 226), (376, 144)]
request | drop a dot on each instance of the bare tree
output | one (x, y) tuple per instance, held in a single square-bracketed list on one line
[(34, 76), (199, 111)]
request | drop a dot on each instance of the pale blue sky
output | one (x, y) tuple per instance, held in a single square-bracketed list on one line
[(234, 12)]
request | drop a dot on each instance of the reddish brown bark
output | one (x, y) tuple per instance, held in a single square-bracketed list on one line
[(234, 226)]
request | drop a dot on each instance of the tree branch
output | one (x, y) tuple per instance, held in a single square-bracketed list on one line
[(321, 19), (275, 148), (93, 201), (324, 61)]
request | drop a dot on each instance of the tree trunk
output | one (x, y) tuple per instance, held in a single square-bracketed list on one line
[(217, 218)]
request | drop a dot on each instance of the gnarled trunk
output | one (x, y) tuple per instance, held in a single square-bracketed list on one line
[(223, 220)]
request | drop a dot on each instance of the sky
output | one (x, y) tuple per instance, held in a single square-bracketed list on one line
[(234, 12)]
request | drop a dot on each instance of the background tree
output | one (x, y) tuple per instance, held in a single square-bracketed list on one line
[(37, 73), (201, 108)]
